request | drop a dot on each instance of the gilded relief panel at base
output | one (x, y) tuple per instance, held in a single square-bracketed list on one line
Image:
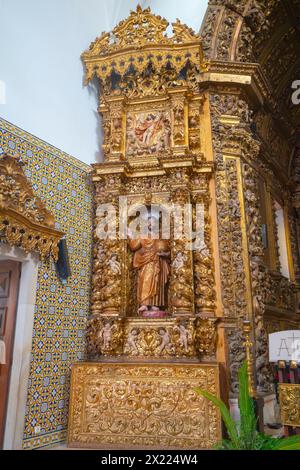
[(143, 405), (289, 398)]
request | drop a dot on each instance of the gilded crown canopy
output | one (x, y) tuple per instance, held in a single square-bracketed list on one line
[(141, 40), (24, 219)]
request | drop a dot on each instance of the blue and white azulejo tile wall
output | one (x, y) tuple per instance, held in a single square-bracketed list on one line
[(63, 183)]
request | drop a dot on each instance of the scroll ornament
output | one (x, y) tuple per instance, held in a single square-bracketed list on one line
[(24, 219)]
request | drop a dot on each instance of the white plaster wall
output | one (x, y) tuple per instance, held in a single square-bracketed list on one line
[(190, 12), (40, 46)]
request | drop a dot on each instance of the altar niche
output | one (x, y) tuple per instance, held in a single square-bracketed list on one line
[(148, 265), (153, 300), (151, 297)]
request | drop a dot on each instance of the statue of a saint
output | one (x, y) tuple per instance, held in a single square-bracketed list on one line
[(151, 259)]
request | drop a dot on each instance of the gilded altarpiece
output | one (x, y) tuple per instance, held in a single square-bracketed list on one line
[(152, 112)]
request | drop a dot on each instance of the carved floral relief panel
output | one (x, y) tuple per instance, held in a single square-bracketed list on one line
[(143, 405)]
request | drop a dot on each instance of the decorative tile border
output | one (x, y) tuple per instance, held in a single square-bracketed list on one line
[(45, 440)]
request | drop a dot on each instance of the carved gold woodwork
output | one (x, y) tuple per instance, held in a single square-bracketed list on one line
[(24, 219), (244, 279), (150, 73), (205, 336), (241, 40), (152, 338), (191, 286), (289, 399), (141, 404), (152, 111), (139, 40)]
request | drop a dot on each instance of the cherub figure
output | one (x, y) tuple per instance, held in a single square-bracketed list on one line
[(131, 340), (184, 336), (114, 264), (165, 339), (179, 261), (105, 335)]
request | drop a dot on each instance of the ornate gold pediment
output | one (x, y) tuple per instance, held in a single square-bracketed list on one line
[(141, 40), (24, 219)]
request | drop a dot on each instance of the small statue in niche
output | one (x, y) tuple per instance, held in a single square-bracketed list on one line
[(151, 259), (105, 335), (114, 264), (184, 336), (165, 339), (131, 340), (179, 261), (110, 336)]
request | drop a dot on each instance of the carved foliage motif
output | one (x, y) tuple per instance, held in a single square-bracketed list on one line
[(289, 396), (116, 128), (271, 136), (145, 405), (258, 277), (236, 140), (177, 337), (140, 33), (280, 293), (107, 269), (205, 335), (238, 29), (237, 356), (178, 106), (204, 280), (230, 239), (24, 219), (181, 289)]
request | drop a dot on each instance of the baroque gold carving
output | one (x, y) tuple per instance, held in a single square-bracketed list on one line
[(132, 41), (105, 336), (143, 405), (204, 279), (205, 335), (148, 338), (152, 116), (289, 399), (259, 279), (161, 339), (24, 220)]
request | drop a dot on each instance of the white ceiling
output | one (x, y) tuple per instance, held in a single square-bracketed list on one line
[(40, 47)]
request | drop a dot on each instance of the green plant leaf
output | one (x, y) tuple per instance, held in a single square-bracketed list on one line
[(248, 432), (225, 445), (247, 436), (229, 422), (288, 443), (263, 442)]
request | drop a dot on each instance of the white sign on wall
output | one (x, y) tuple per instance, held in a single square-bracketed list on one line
[(284, 346)]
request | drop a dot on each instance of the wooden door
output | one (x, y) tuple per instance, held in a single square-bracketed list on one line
[(9, 290)]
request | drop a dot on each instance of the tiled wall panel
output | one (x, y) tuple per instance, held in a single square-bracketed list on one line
[(61, 311)]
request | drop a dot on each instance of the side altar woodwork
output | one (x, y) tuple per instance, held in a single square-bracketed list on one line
[(153, 301)]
